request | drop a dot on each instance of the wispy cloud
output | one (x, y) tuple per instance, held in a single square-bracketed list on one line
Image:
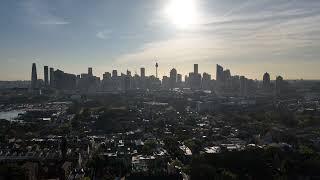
[(55, 22), (278, 32), (105, 34), (39, 12)]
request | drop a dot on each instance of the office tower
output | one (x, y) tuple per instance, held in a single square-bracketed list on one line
[(127, 82), (206, 80), (165, 82), (51, 77), (219, 73), (64, 81), (179, 78), (128, 73), (90, 71), (114, 73), (266, 81), (243, 86), (279, 84), (226, 78), (106, 75), (186, 80), (173, 78), (34, 78), (226, 74), (142, 72), (157, 65), (195, 69), (46, 75)]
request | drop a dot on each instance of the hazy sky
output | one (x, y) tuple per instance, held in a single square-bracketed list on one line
[(250, 37)]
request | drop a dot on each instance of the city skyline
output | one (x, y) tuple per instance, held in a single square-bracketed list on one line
[(45, 76), (279, 37)]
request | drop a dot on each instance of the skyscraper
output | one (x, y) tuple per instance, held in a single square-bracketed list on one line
[(114, 73), (179, 78), (279, 84), (64, 81), (142, 72), (34, 78), (128, 73), (51, 77), (106, 75), (219, 73), (243, 86), (195, 69), (266, 81), (195, 78), (90, 71), (46, 75), (173, 78), (206, 80)]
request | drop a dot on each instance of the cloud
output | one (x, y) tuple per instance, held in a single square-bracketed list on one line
[(39, 12), (280, 33), (105, 34), (54, 22)]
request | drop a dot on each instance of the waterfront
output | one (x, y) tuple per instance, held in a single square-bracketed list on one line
[(10, 115)]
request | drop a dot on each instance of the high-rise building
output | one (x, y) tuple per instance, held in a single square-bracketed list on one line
[(186, 80), (206, 81), (64, 81), (279, 84), (106, 75), (219, 73), (173, 78), (34, 78), (128, 73), (266, 81), (51, 77), (195, 69), (179, 78), (226, 75), (114, 73), (127, 82), (142, 72), (243, 86), (46, 75), (165, 82), (90, 71)]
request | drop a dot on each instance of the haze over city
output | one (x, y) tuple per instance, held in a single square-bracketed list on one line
[(250, 37), (160, 89)]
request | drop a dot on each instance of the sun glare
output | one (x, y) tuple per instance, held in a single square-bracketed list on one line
[(182, 13)]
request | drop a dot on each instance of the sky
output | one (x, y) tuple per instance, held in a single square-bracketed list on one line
[(249, 37)]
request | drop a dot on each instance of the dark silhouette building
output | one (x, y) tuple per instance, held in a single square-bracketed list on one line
[(46, 75), (219, 73), (114, 73), (34, 78), (64, 81), (179, 79), (195, 69), (206, 81), (51, 77), (142, 72), (243, 86), (90, 71), (173, 78), (106, 75), (279, 85), (266, 81)]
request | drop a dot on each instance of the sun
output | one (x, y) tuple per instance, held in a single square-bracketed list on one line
[(182, 13)]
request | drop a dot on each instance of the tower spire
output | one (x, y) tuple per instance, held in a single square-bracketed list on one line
[(157, 69)]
